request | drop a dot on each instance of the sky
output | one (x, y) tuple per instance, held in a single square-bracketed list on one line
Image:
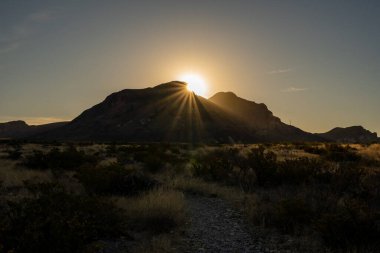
[(315, 64)]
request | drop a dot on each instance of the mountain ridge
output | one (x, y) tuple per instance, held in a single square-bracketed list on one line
[(144, 115), (20, 129), (261, 118), (169, 112), (350, 134)]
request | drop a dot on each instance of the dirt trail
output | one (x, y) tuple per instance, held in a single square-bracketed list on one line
[(216, 227)]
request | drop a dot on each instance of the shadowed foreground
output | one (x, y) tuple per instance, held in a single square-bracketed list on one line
[(216, 227)]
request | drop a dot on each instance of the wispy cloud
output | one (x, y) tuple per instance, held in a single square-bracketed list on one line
[(42, 16), (294, 89), (280, 71), (20, 32), (7, 47)]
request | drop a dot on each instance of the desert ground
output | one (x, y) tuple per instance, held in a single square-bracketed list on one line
[(103, 197)]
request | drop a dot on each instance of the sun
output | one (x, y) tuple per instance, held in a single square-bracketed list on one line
[(195, 83)]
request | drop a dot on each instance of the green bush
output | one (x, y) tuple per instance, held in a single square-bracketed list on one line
[(114, 179), (55, 221)]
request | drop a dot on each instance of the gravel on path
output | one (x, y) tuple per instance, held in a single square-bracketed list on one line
[(216, 227)]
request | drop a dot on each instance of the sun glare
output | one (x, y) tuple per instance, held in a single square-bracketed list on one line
[(195, 83)]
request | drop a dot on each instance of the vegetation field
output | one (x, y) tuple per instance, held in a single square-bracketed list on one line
[(86, 197)]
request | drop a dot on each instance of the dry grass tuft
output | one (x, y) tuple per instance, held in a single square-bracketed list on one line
[(158, 244), (13, 176), (200, 187), (158, 211), (371, 152)]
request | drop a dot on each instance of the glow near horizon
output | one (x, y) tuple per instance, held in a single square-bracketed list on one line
[(314, 64), (195, 83)]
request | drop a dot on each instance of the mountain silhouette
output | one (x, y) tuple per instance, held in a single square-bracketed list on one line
[(19, 129), (169, 112), (350, 134), (257, 116)]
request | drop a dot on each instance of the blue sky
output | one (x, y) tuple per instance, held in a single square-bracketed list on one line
[(314, 63)]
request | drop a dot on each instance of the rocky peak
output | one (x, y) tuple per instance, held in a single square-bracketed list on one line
[(224, 95), (257, 114)]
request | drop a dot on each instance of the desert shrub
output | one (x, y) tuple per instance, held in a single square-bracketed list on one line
[(227, 165), (371, 152), (14, 154), (292, 214), (347, 179), (214, 165), (197, 186), (70, 159), (124, 157), (153, 162), (159, 244), (370, 183), (314, 149), (287, 214), (158, 211), (114, 179), (131, 153), (339, 153), (111, 149), (264, 163), (153, 156), (299, 171), (156, 157), (351, 225), (55, 221), (334, 197), (259, 210), (246, 179)]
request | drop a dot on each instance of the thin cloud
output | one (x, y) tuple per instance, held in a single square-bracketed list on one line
[(294, 89), (18, 33), (7, 47), (42, 16), (280, 71)]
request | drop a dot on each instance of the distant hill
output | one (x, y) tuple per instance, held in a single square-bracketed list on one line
[(350, 134), (19, 129), (169, 112), (13, 129)]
